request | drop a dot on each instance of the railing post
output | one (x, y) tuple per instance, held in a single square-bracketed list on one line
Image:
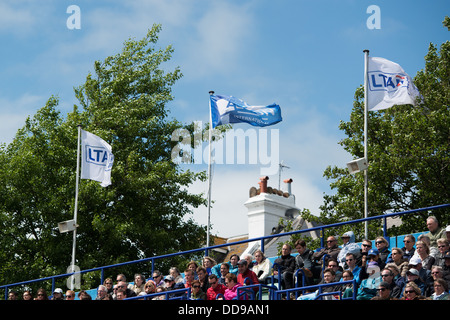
[(322, 236), (102, 275), (53, 284)]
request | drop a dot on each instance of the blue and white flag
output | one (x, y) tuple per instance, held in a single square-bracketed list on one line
[(389, 85), (96, 158), (227, 109)]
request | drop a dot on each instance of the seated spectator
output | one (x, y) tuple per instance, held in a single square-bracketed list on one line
[(108, 283), (57, 294), (424, 274), (366, 245), (176, 274), (102, 292), (350, 261), (368, 287), (347, 289), (196, 291), (138, 285), (249, 258), (41, 294), (170, 284), (333, 265), (188, 278), (123, 285), (224, 270), (304, 261), (160, 289), (443, 247), (192, 265), (232, 285), (423, 252), (397, 257), (286, 266), (149, 288), (440, 290), (408, 249), (412, 292), (387, 276), (348, 246), (120, 295), (261, 266), (384, 292), (158, 278), (436, 273), (331, 251), (83, 295), (446, 267), (370, 264), (121, 277), (413, 276), (70, 295), (232, 264), (215, 288), (398, 279), (13, 295), (246, 276), (202, 275), (435, 231), (329, 276), (382, 246), (434, 251), (208, 264)]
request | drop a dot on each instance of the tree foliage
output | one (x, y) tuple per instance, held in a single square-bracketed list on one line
[(408, 151), (145, 212)]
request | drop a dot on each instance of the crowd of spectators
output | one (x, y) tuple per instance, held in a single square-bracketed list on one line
[(418, 270)]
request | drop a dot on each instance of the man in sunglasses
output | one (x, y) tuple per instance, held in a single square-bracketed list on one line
[(384, 292)]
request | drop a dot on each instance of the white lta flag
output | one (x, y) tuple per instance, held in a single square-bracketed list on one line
[(97, 158), (389, 85)]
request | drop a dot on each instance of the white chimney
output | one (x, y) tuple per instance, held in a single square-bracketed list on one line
[(265, 209)]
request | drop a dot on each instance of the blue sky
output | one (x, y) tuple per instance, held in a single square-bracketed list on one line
[(307, 56)]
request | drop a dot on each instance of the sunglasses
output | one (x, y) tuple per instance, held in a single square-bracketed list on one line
[(410, 291)]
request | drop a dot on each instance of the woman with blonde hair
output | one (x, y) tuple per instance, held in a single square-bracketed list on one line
[(412, 292), (423, 251)]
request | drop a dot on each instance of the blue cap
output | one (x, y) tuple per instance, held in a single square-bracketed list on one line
[(373, 252)]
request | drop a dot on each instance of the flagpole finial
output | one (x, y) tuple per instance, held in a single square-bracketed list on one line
[(211, 92), (366, 50)]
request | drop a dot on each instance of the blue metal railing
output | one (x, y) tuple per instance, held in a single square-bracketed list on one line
[(206, 250), (287, 292)]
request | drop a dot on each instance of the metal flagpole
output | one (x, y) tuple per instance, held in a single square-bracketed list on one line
[(366, 81), (209, 171), (76, 206)]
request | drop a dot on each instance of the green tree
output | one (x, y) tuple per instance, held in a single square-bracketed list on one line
[(409, 155), (145, 212)]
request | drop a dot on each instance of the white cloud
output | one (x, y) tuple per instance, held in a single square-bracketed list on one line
[(16, 19), (220, 36), (13, 114)]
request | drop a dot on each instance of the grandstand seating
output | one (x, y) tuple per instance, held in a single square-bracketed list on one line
[(396, 241)]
